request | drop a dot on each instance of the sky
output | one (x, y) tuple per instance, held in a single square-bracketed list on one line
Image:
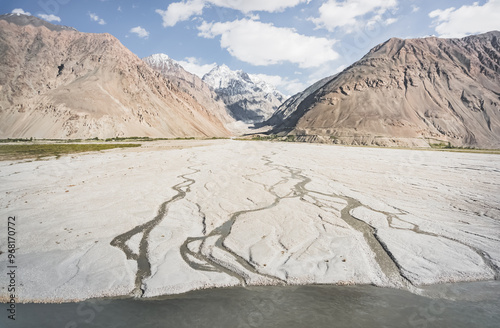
[(289, 43)]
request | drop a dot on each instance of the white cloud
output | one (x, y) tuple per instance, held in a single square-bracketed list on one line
[(414, 8), (264, 44), (247, 6), (192, 65), (182, 11), (290, 87), (19, 11), (350, 14), (340, 68), (323, 71), (50, 18), (466, 20), (293, 87), (390, 21), (95, 18), (253, 16), (141, 32), (271, 79)]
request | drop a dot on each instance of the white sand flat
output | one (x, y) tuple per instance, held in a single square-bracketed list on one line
[(255, 212)]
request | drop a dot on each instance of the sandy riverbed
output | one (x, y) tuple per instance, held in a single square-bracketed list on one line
[(163, 220)]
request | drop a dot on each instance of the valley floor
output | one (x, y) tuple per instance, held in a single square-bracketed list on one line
[(161, 220)]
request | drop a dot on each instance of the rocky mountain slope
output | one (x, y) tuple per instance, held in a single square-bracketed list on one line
[(291, 104), (248, 98), (190, 84), (56, 82), (406, 92)]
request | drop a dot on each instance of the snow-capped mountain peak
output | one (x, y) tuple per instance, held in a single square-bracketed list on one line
[(161, 61), (159, 57), (249, 98), (221, 76)]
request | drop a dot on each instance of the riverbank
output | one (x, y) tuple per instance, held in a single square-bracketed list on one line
[(461, 305)]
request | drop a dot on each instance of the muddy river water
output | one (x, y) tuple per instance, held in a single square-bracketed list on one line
[(452, 305)]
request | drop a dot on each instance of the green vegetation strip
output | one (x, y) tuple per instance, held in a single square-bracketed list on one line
[(272, 137), (468, 150), (433, 146), (116, 139), (10, 152)]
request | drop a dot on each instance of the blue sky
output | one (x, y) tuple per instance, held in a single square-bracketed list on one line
[(290, 43)]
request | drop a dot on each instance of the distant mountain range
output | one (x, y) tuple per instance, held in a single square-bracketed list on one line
[(405, 92), (248, 98), (56, 82), (242, 96)]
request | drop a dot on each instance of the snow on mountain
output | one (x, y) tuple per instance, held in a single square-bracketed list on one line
[(162, 62), (249, 98), (190, 84)]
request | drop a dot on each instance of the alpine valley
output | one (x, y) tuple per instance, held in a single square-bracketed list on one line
[(199, 215), (57, 82)]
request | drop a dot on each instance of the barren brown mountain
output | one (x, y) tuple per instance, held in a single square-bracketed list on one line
[(56, 82), (190, 84), (406, 92)]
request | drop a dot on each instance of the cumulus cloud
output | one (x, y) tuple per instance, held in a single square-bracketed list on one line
[(141, 32), (192, 65), (340, 68), (246, 39), (50, 18), (95, 18), (246, 6), (323, 71), (390, 21), (350, 14), (271, 79), (20, 12), (289, 86), (182, 11), (466, 20)]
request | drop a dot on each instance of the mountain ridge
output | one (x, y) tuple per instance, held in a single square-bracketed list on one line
[(61, 83), (409, 92), (249, 99), (190, 84), (23, 20)]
